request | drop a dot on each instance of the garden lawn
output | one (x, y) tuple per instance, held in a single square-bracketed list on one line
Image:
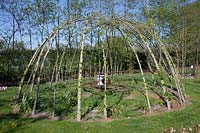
[(186, 117)]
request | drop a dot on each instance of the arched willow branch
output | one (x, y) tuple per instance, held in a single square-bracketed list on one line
[(130, 42), (38, 81), (168, 57), (134, 34)]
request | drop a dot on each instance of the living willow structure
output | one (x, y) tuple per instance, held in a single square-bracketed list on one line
[(136, 35)]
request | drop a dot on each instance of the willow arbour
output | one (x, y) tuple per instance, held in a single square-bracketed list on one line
[(135, 35)]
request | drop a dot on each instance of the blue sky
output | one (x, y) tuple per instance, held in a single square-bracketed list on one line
[(6, 23), (6, 20)]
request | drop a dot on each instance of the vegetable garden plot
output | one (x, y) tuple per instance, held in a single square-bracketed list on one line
[(165, 80)]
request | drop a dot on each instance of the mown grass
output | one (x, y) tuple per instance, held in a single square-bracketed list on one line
[(186, 117)]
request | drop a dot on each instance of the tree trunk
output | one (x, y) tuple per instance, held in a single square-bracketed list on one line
[(13, 41)]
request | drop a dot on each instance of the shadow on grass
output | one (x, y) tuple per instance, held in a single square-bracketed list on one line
[(94, 105), (4, 102), (97, 101), (13, 122)]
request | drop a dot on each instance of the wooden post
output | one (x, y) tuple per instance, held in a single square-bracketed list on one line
[(79, 79), (105, 83)]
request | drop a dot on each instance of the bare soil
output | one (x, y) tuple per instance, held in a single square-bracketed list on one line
[(43, 115)]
